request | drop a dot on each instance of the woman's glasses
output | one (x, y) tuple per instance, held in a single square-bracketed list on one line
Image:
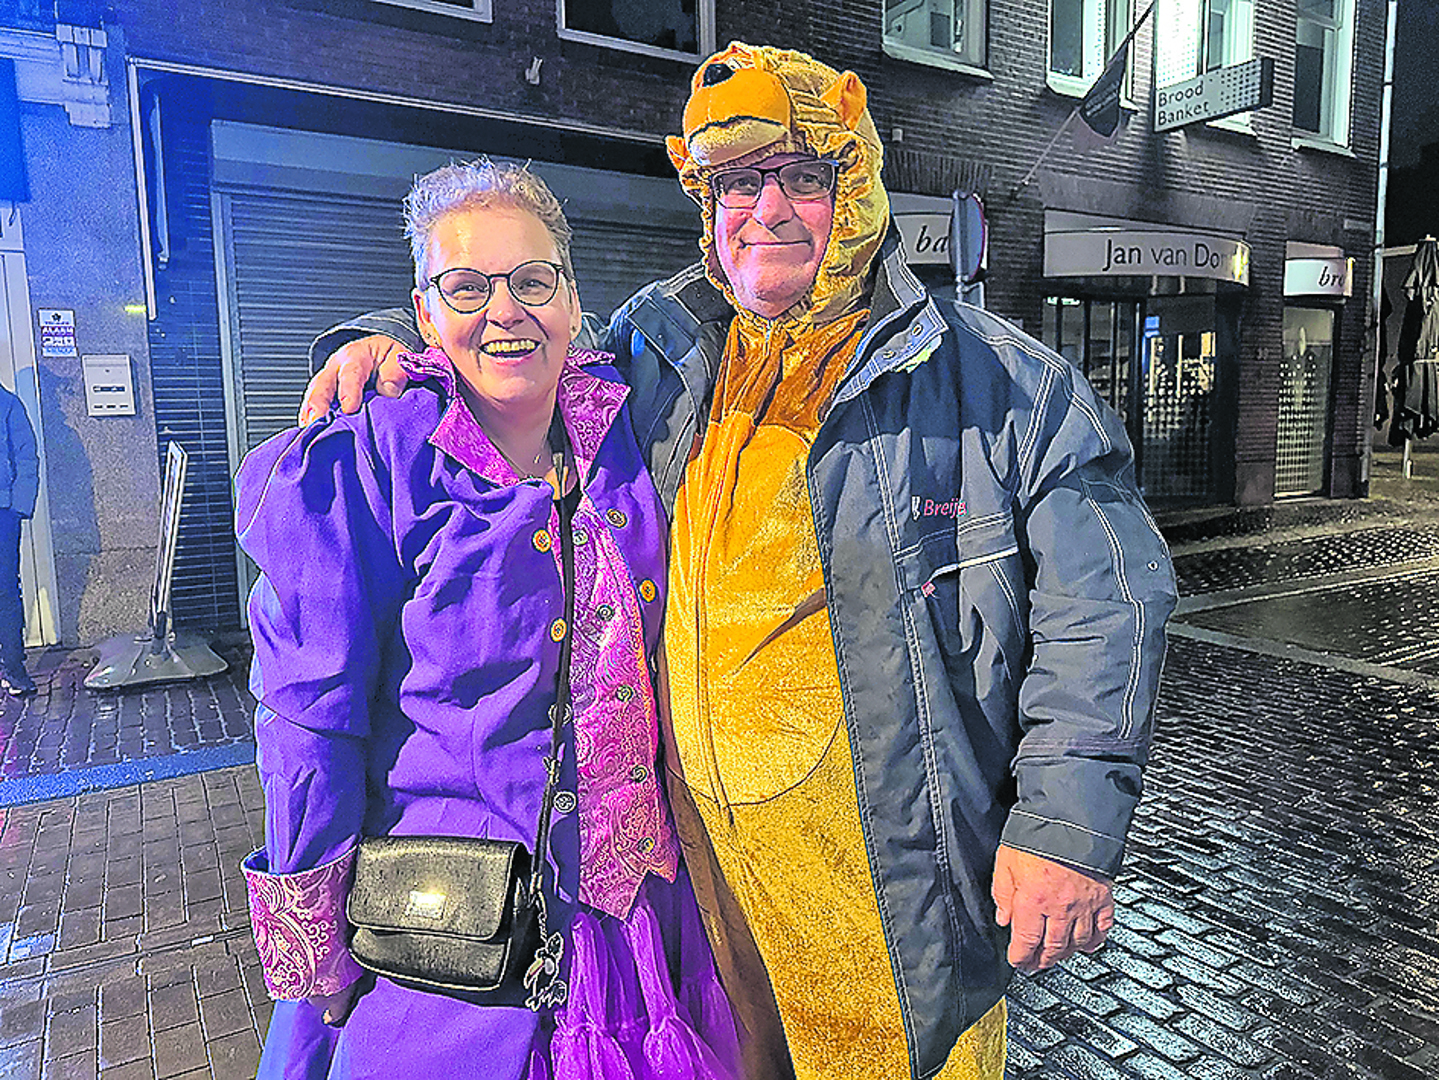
[(467, 291)]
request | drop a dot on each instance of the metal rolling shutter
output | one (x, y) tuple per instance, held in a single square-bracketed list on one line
[(296, 265), (613, 260)]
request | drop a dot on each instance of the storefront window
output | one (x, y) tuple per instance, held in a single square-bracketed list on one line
[(1179, 368), (925, 29), (1304, 376)]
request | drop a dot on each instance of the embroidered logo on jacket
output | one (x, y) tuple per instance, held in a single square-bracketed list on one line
[(923, 508)]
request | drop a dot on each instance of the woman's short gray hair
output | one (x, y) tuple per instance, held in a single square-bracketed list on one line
[(467, 185)]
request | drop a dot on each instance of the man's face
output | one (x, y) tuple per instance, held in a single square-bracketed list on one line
[(770, 252)]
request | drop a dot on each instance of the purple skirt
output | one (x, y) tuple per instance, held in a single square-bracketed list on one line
[(645, 1004)]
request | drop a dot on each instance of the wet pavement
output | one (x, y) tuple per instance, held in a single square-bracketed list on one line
[(1278, 912)]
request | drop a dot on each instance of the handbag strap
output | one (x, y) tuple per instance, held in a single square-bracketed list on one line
[(559, 712)]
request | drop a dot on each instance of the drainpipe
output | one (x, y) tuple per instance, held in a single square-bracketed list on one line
[(1377, 291)]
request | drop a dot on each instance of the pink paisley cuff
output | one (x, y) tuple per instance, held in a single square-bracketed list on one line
[(300, 926)]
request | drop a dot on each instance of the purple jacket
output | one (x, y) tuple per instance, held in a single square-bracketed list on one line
[(407, 629)]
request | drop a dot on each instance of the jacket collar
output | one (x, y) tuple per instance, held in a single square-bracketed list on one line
[(903, 326), (588, 405)]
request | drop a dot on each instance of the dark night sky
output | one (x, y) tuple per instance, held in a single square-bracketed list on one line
[(1416, 81)]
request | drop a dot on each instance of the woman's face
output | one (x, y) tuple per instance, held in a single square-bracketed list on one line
[(508, 353)]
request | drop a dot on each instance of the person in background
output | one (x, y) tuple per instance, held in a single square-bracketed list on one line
[(406, 651), (916, 605), (19, 487)]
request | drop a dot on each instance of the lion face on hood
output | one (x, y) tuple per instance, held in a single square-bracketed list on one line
[(748, 103)]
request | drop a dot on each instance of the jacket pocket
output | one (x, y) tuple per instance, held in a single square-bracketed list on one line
[(970, 578)]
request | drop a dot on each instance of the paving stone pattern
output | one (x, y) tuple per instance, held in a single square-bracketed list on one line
[(1310, 557), (66, 726), (1390, 622), (124, 933), (1279, 909)]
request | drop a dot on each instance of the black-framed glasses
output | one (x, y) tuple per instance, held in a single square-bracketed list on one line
[(801, 181), (467, 291)]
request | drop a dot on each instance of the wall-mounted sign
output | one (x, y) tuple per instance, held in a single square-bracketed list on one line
[(57, 332), (1120, 252), (109, 386), (1215, 94), (925, 236), (1319, 277)]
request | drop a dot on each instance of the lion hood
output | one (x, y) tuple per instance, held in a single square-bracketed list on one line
[(749, 102)]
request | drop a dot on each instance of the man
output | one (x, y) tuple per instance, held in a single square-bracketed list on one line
[(19, 487), (916, 608)]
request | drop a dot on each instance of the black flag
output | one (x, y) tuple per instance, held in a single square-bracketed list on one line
[(1100, 107)]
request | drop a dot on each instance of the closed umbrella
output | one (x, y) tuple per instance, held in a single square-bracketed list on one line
[(1416, 377)]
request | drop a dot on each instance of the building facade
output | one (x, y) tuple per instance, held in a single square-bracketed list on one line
[(209, 185)]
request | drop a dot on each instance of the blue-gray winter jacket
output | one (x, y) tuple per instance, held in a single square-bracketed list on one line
[(997, 593), (19, 464)]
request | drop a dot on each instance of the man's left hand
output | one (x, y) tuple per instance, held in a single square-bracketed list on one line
[(1051, 910)]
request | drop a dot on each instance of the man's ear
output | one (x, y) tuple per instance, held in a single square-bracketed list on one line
[(848, 97)]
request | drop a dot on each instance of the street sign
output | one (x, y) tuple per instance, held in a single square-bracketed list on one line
[(1214, 94)]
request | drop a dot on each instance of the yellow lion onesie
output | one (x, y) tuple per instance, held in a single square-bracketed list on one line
[(757, 719)]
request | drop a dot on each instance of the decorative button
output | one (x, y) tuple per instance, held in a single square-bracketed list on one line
[(542, 541), (1154, 565), (616, 518), (648, 591), (564, 802), (581, 537), (624, 693), (557, 630), (605, 612), (639, 774), (647, 844)]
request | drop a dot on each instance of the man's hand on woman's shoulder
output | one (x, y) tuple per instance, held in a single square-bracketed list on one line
[(349, 370)]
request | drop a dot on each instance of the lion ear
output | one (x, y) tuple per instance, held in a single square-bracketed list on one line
[(847, 97), (678, 151)]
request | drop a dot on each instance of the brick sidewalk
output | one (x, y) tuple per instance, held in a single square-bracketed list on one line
[(1279, 909), (125, 920)]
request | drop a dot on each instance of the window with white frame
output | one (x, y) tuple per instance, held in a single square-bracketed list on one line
[(1083, 35), (935, 30), (1323, 61), (674, 28), (1196, 36), (478, 10)]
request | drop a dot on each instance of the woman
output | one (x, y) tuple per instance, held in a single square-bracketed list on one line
[(405, 689)]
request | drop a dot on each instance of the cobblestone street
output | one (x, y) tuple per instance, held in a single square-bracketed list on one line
[(1278, 911)]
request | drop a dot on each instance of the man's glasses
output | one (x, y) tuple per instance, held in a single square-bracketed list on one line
[(467, 291), (801, 181)]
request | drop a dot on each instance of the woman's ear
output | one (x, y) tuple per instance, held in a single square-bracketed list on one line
[(577, 315), (422, 317)]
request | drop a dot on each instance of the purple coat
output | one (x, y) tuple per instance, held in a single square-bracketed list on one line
[(406, 627)]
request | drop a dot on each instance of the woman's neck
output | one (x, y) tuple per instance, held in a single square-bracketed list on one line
[(519, 430)]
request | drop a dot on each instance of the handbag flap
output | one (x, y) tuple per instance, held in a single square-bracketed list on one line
[(452, 885)]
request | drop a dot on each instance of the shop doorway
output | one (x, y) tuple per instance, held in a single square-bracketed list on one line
[(1304, 383), (1156, 361)]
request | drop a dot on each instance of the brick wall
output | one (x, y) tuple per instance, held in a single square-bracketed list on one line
[(1195, 177)]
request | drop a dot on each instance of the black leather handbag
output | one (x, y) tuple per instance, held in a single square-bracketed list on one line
[(467, 915)]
